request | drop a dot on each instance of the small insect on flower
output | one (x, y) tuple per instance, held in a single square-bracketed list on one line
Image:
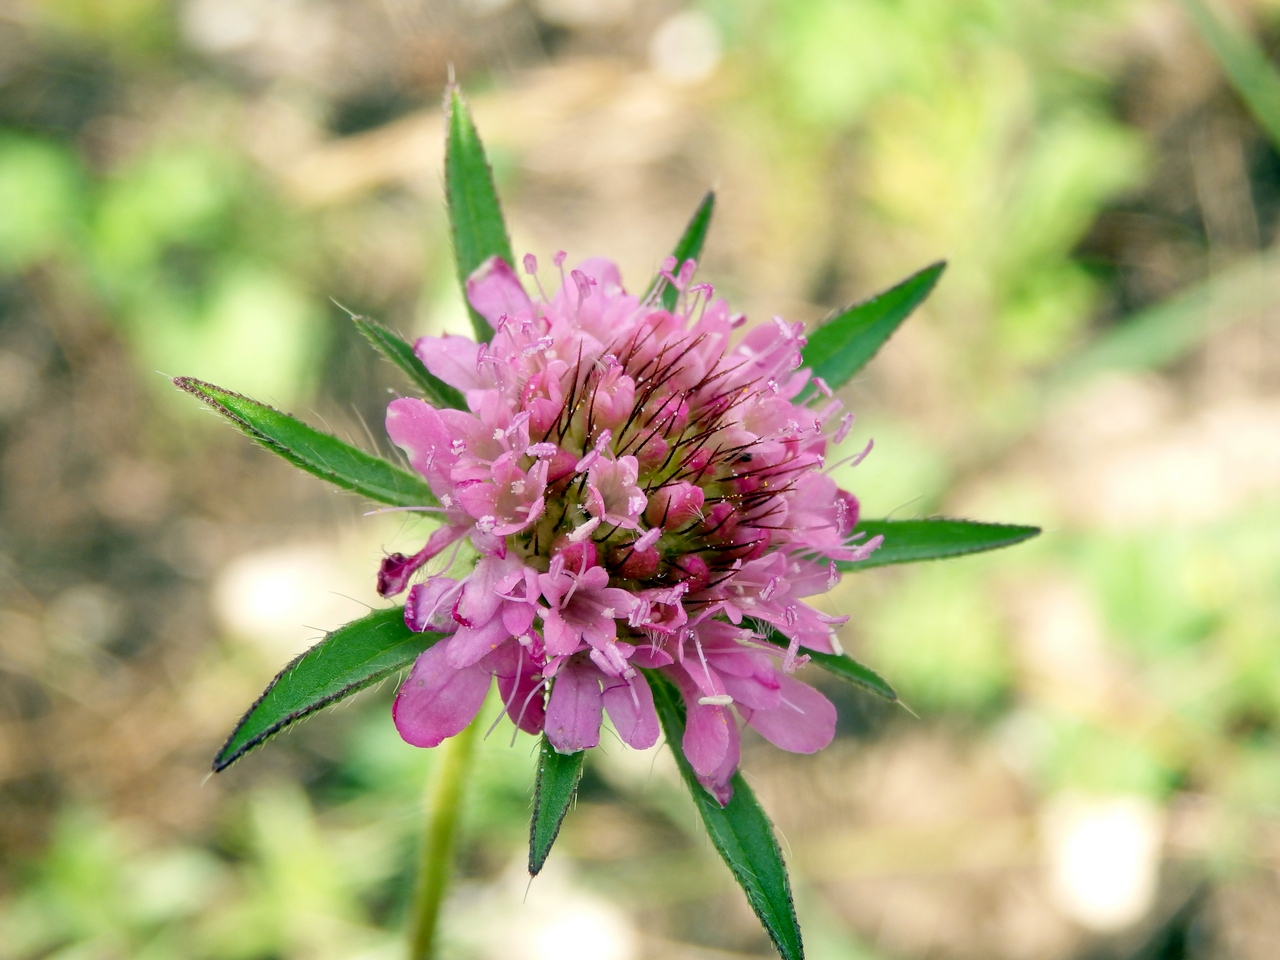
[(642, 495)]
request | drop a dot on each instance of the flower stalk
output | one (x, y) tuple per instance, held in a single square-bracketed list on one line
[(443, 805)]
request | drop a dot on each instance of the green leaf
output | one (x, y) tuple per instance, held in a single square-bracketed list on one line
[(1243, 61), (740, 831), (689, 246), (475, 215), (841, 664), (347, 660), (555, 786), (319, 453), (841, 346), (400, 352), (910, 541)]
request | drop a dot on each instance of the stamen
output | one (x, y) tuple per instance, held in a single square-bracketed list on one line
[(506, 705), (854, 460), (541, 345), (531, 268), (597, 451), (719, 700), (584, 283), (648, 538), (558, 260), (842, 431), (543, 684), (578, 534), (866, 549)]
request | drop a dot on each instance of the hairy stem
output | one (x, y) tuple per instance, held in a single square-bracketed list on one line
[(444, 800)]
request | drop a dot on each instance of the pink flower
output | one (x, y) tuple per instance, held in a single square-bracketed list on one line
[(636, 488)]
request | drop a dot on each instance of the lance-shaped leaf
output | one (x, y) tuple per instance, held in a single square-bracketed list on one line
[(1246, 64), (349, 659), (554, 789), (319, 453), (689, 247), (400, 352), (840, 664), (911, 541), (740, 831), (475, 215), (841, 346)]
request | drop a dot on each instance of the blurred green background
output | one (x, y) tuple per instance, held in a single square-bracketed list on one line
[(199, 188)]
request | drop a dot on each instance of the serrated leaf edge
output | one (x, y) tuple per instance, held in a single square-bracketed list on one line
[(221, 762), (1027, 533), (536, 867), (197, 388), (437, 391)]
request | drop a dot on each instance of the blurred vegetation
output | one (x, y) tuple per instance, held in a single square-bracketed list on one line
[(192, 188)]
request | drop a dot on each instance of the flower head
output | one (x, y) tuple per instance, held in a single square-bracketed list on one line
[(641, 492)]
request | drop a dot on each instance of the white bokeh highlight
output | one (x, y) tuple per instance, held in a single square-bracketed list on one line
[(685, 49), (1103, 858)]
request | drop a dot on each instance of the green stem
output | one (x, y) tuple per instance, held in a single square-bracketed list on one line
[(444, 798)]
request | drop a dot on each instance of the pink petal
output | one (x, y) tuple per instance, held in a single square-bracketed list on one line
[(719, 782), (429, 604), (630, 706), (518, 684), (470, 645), (752, 692), (453, 359), (650, 657), (809, 627), (494, 290), (804, 722), (517, 616), (574, 710), (608, 283), (416, 428), (561, 638), (480, 598), (706, 735), (437, 701)]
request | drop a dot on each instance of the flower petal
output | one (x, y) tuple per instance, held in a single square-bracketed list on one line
[(416, 428), (630, 706), (454, 359), (472, 644), (437, 701), (804, 722), (574, 710), (719, 782), (706, 732), (428, 605), (495, 291), (518, 683)]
